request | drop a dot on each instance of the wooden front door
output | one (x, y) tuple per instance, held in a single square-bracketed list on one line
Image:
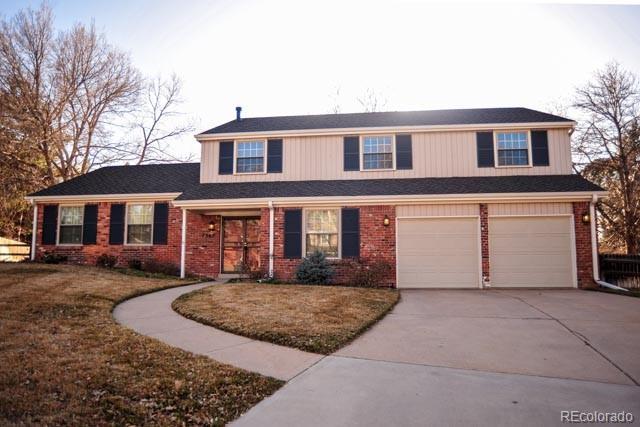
[(240, 245)]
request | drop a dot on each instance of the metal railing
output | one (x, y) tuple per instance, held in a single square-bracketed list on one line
[(621, 270)]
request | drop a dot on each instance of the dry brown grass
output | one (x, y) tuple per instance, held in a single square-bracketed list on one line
[(319, 319), (64, 360)]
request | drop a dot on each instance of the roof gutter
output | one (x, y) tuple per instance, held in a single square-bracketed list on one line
[(389, 200), (202, 137), (103, 197)]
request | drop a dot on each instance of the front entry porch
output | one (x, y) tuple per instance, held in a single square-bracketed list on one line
[(224, 243)]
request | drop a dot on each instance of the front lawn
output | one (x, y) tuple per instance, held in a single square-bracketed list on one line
[(320, 319), (64, 360)]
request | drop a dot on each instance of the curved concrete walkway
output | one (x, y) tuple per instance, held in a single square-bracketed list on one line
[(153, 316)]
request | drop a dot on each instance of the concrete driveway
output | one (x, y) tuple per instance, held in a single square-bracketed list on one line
[(474, 358), (561, 334)]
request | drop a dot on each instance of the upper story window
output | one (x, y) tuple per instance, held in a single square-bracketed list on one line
[(139, 224), (512, 148), (250, 156), (377, 152), (321, 231), (71, 218)]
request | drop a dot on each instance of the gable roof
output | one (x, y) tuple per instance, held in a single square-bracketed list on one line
[(184, 178), (384, 119)]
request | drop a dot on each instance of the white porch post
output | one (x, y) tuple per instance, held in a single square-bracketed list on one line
[(34, 231), (183, 243), (271, 224)]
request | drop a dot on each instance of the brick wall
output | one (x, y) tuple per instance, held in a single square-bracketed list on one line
[(584, 256), (203, 250), (377, 243), (484, 241)]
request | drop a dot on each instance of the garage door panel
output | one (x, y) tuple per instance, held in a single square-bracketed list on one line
[(438, 252), (531, 252)]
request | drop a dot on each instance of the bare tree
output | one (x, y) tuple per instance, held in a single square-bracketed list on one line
[(372, 101), (158, 122), (336, 107), (63, 91), (607, 151)]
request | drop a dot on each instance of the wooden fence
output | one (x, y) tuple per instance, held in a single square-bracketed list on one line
[(621, 270), (13, 250)]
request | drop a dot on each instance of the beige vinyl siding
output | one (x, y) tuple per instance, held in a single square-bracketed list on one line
[(437, 210), (531, 252), (435, 154), (438, 253), (516, 209)]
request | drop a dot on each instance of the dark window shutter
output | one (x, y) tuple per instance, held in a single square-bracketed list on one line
[(293, 233), (116, 224), (90, 224), (351, 153), (484, 143), (404, 155), (49, 224), (160, 223), (225, 159), (539, 148), (274, 156), (350, 232)]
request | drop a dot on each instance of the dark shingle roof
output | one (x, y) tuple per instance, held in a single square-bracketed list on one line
[(391, 187), (163, 178), (382, 119), (184, 178)]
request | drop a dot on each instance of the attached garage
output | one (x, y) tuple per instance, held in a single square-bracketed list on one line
[(531, 251), (438, 252)]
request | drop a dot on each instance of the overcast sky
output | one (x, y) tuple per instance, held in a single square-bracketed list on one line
[(290, 57)]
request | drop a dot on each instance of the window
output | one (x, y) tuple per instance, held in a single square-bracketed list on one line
[(377, 152), (321, 231), (71, 225), (250, 157), (513, 148), (139, 224)]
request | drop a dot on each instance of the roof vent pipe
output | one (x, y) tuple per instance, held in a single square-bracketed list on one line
[(238, 113)]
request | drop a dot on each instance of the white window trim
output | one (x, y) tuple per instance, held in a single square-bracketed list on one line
[(304, 229), (393, 154), (495, 148), (126, 224), (264, 156), (75, 205)]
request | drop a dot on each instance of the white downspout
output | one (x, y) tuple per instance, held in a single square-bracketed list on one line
[(594, 249), (34, 231), (271, 226), (183, 243)]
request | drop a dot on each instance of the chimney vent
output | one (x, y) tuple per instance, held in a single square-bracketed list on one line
[(238, 113)]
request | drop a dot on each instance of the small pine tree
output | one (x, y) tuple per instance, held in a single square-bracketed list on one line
[(314, 270)]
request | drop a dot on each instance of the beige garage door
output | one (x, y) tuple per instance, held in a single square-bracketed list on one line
[(531, 252), (438, 253)]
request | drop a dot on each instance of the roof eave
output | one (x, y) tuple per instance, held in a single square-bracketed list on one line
[(382, 129), (567, 196), (103, 197)]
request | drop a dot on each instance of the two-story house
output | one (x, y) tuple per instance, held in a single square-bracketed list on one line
[(451, 199)]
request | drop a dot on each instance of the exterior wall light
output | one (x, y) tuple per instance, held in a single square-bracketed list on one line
[(386, 221), (586, 218), (211, 227)]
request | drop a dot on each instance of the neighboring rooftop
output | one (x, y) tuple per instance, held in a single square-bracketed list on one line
[(384, 119), (183, 178)]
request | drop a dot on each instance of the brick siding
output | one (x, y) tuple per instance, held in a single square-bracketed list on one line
[(377, 243), (584, 256)]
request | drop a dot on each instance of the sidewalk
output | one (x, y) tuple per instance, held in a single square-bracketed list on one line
[(153, 316)]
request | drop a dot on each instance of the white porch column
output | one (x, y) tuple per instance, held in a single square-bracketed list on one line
[(271, 225), (183, 243), (34, 231)]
